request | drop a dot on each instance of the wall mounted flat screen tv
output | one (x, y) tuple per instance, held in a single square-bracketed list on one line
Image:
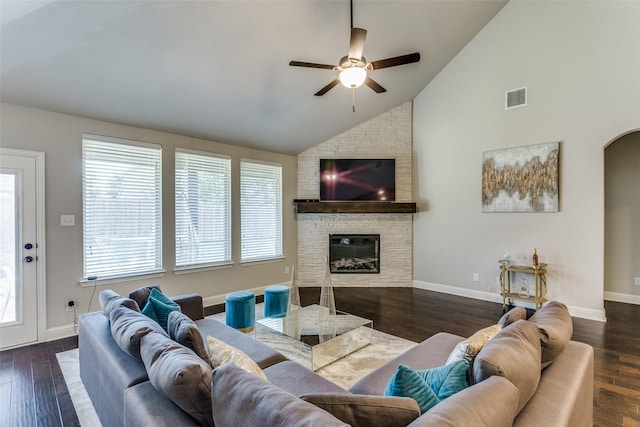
[(358, 179)]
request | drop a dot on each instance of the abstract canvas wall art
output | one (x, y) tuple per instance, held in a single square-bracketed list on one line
[(521, 179)]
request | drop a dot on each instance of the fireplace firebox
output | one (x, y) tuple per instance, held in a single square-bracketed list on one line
[(354, 253)]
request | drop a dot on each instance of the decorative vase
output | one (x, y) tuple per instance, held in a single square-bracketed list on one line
[(327, 300), (294, 293), (523, 292)]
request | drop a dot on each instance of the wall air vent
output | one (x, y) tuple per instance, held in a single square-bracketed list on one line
[(516, 98)]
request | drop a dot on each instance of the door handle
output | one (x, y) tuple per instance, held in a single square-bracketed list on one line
[(28, 259)]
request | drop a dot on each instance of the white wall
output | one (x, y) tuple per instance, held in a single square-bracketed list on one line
[(385, 136), (60, 137), (581, 64)]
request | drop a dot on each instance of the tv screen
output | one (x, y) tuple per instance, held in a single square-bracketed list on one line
[(358, 179)]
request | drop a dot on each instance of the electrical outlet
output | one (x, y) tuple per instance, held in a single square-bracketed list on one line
[(286, 270), (637, 281), (69, 304), (476, 277)]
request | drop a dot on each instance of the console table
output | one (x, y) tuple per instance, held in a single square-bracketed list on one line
[(540, 283)]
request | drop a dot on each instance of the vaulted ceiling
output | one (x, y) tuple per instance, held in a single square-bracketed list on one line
[(219, 70)]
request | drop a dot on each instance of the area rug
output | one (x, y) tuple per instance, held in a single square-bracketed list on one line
[(344, 372)]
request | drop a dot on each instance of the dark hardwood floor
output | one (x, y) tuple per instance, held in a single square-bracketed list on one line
[(32, 388), (33, 392)]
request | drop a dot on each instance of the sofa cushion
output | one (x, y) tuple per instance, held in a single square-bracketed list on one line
[(184, 331), (491, 403), (469, 348), (430, 353), (221, 353), (259, 352), (158, 307), (144, 406), (240, 398), (129, 326), (110, 300), (556, 328), (407, 383), (179, 374), (294, 378), (512, 316), (514, 353), (447, 380), (364, 410), (141, 295)]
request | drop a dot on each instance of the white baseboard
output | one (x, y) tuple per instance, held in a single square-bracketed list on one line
[(620, 297), (60, 332), (585, 313), (461, 292), (66, 331)]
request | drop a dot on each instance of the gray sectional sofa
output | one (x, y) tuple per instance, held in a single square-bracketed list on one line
[(512, 389)]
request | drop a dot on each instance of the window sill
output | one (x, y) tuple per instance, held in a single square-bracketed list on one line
[(202, 267), (118, 279), (262, 261)]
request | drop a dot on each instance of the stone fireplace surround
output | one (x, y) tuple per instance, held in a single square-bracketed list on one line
[(388, 135)]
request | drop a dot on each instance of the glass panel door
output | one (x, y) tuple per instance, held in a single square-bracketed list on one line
[(20, 305), (8, 249)]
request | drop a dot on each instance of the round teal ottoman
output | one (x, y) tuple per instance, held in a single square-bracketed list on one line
[(276, 299), (241, 310)]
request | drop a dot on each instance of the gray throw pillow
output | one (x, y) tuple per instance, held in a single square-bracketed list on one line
[(179, 374), (556, 328), (184, 331), (240, 398), (141, 295), (365, 410), (514, 353), (512, 316), (110, 300), (129, 326)]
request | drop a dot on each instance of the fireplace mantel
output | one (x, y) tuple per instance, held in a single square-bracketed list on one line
[(354, 207)]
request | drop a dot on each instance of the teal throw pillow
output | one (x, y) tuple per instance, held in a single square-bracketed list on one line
[(407, 383), (447, 380), (158, 308)]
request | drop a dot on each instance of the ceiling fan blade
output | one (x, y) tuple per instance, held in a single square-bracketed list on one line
[(311, 65), (398, 60), (356, 45), (327, 88), (374, 85)]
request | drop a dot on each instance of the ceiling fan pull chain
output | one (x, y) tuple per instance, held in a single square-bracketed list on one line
[(353, 100)]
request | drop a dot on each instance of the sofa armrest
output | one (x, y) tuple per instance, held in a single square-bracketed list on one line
[(191, 305), (564, 396), (490, 403)]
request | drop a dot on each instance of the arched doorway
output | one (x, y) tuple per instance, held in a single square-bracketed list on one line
[(622, 219)]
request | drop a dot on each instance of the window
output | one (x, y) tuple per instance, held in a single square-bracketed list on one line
[(203, 209), (261, 210), (121, 206)]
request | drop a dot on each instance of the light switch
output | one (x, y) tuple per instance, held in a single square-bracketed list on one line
[(67, 220)]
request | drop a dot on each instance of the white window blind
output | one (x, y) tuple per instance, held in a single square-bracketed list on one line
[(203, 209), (121, 205), (261, 210)]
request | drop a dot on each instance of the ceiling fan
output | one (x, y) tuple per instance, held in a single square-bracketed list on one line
[(354, 67)]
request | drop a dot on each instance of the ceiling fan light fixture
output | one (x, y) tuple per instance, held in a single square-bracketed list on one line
[(353, 77)]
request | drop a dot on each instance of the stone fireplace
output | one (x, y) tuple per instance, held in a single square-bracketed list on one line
[(354, 253), (388, 135)]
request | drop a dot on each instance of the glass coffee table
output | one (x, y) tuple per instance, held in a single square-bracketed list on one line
[(313, 337)]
